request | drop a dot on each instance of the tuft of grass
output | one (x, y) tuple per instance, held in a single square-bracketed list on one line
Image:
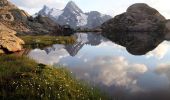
[(46, 40), (23, 79)]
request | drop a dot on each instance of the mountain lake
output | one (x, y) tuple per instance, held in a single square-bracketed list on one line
[(108, 66)]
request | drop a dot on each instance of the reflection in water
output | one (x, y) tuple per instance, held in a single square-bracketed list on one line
[(163, 69), (110, 71), (160, 51), (49, 56), (110, 67), (137, 43), (83, 39)]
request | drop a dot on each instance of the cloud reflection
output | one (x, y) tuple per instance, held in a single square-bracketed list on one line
[(50, 58), (110, 71), (160, 51), (163, 69)]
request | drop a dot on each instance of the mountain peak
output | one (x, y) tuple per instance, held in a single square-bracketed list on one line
[(71, 3), (71, 6), (45, 7), (72, 15), (45, 10)]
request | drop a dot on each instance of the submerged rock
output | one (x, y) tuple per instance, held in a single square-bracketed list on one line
[(140, 29), (8, 41)]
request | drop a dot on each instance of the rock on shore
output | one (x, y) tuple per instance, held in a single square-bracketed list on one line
[(8, 41)]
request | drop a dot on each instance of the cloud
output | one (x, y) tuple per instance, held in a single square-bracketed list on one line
[(164, 71), (112, 7), (33, 6), (160, 51), (115, 7), (39, 3), (115, 70), (111, 71)]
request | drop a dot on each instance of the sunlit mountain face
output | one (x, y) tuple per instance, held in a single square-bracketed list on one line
[(110, 67), (75, 17)]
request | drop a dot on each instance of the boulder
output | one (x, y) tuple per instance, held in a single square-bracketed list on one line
[(139, 29), (8, 41), (138, 17)]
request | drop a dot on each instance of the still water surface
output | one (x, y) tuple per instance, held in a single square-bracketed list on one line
[(110, 67)]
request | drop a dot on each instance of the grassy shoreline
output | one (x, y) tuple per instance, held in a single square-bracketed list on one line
[(23, 78), (46, 40)]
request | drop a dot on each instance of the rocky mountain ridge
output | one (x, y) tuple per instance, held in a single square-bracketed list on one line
[(21, 22), (72, 15)]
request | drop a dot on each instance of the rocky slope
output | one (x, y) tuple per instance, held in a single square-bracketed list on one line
[(12, 17), (140, 29), (72, 15), (18, 20)]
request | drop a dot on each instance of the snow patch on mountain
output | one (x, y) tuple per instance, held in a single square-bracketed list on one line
[(55, 13), (82, 20)]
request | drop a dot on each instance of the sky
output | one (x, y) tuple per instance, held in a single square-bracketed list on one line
[(111, 7)]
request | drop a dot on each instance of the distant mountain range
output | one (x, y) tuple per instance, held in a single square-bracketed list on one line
[(72, 15)]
